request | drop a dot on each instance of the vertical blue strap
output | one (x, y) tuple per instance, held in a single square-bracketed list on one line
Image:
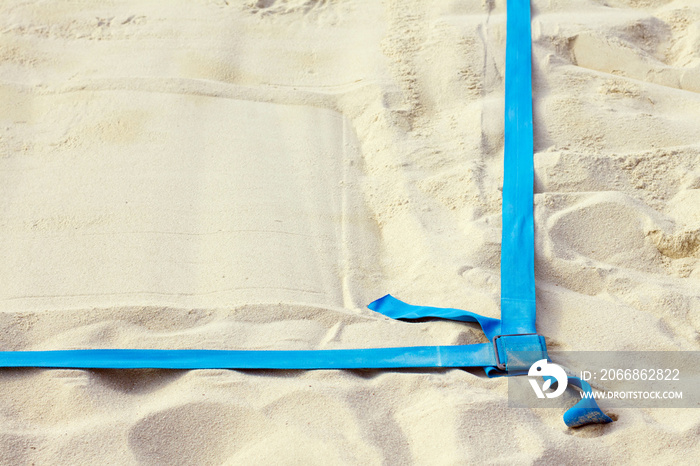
[(518, 243)]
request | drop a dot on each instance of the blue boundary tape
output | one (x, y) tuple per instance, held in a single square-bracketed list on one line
[(514, 332)]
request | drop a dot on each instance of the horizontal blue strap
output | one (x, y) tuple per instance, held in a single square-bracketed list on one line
[(477, 355), (397, 309)]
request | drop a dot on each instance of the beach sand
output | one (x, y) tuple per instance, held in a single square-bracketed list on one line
[(251, 174)]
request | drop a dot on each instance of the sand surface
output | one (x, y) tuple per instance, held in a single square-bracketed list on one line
[(250, 174)]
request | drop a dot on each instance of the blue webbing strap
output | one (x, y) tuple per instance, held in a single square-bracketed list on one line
[(518, 230), (518, 307), (372, 358), (392, 307), (585, 411), (513, 334)]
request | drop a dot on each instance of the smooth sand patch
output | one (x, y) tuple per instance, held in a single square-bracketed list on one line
[(180, 200)]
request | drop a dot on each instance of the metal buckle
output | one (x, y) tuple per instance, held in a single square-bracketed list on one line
[(502, 366)]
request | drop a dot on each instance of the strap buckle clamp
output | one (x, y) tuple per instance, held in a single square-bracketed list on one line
[(502, 365)]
